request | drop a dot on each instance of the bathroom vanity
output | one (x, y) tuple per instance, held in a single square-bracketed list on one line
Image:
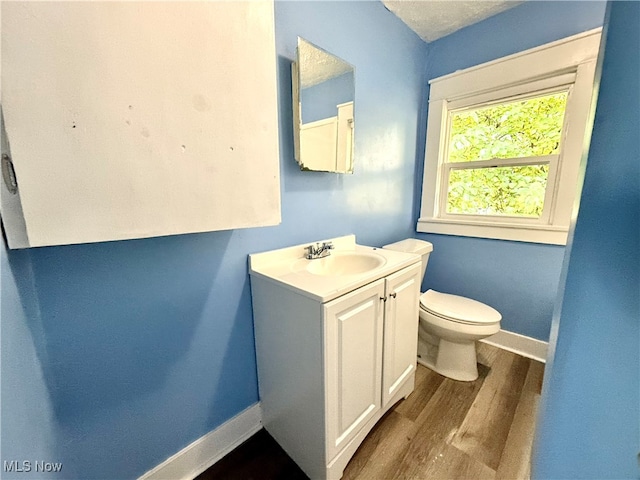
[(336, 342)]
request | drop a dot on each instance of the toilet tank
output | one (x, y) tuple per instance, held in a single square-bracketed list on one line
[(413, 245)]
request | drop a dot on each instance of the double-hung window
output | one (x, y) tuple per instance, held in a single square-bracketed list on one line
[(504, 144)]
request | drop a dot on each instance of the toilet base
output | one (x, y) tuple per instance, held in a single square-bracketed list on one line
[(450, 359)]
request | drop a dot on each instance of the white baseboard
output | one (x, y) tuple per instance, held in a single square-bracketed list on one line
[(516, 343), (195, 458)]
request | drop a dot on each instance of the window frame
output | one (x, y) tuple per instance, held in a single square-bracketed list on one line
[(565, 65), (563, 83)]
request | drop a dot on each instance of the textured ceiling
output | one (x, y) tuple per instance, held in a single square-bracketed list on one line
[(316, 65), (433, 19), (430, 19)]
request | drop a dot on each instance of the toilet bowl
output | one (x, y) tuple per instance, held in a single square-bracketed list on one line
[(449, 325)]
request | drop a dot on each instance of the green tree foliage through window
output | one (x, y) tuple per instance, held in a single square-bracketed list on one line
[(517, 129)]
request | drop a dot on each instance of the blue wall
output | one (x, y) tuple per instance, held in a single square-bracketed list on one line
[(117, 355), (588, 425), (26, 415), (518, 279)]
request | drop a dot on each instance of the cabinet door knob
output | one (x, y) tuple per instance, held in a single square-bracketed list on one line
[(384, 299), (392, 295)]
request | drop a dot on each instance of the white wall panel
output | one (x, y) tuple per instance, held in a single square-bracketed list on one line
[(139, 119)]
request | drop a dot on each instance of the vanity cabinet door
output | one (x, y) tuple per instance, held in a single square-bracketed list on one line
[(353, 332), (400, 329)]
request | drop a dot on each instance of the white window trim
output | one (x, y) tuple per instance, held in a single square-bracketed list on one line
[(570, 61)]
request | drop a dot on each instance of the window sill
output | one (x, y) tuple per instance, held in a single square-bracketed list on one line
[(549, 234)]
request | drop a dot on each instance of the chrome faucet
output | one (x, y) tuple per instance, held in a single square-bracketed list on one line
[(318, 251)]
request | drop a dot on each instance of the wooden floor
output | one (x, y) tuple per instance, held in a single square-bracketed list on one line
[(445, 430)]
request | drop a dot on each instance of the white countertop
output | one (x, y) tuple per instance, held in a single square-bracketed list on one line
[(287, 267)]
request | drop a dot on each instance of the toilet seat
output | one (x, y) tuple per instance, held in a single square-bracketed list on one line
[(458, 309)]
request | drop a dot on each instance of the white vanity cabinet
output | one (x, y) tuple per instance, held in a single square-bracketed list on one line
[(328, 371)]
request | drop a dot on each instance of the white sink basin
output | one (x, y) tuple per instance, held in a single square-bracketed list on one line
[(347, 263), (349, 266)]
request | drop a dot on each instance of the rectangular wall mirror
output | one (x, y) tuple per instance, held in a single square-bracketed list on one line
[(323, 110)]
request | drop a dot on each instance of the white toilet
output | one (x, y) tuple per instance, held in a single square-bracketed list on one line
[(449, 324)]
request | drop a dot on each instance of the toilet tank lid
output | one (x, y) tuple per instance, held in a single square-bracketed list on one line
[(411, 245)]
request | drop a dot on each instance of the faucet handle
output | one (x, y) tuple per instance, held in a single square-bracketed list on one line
[(328, 246), (312, 251)]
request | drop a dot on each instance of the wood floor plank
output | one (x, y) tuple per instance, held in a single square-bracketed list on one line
[(486, 353), (516, 457), (381, 452), (484, 431), (536, 371), (452, 463), (440, 417), (427, 383)]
